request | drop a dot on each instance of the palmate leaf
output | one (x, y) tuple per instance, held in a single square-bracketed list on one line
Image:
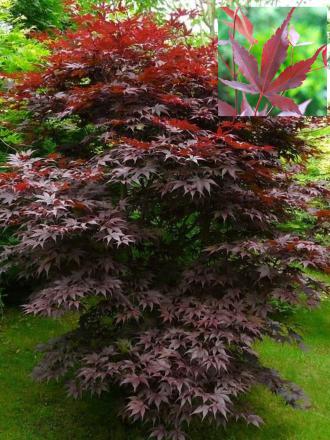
[(274, 53)]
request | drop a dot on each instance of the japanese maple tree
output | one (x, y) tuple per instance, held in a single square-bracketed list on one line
[(267, 80), (160, 229)]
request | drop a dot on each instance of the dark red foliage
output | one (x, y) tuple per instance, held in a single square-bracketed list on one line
[(124, 75), (166, 243)]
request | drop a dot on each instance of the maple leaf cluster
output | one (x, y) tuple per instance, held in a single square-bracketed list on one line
[(166, 242), (123, 75)]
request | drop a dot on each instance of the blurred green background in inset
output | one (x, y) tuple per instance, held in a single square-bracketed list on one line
[(310, 23)]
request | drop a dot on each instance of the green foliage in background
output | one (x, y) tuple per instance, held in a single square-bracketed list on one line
[(47, 14), (18, 52), (41, 14)]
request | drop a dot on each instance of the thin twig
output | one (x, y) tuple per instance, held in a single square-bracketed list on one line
[(258, 104), (8, 145), (234, 67), (225, 63)]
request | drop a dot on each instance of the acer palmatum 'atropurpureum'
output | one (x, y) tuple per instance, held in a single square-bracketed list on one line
[(166, 242)]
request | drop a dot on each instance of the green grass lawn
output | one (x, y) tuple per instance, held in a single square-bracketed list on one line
[(30, 411)]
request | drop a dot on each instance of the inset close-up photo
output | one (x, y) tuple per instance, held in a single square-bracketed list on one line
[(272, 61)]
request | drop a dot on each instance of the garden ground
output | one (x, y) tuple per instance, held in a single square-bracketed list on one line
[(30, 411)]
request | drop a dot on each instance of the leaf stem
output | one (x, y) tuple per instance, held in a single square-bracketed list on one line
[(234, 67), (269, 111), (225, 63), (8, 145), (318, 68), (258, 104)]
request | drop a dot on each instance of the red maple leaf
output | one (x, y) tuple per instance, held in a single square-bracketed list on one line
[(263, 82), (22, 186)]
